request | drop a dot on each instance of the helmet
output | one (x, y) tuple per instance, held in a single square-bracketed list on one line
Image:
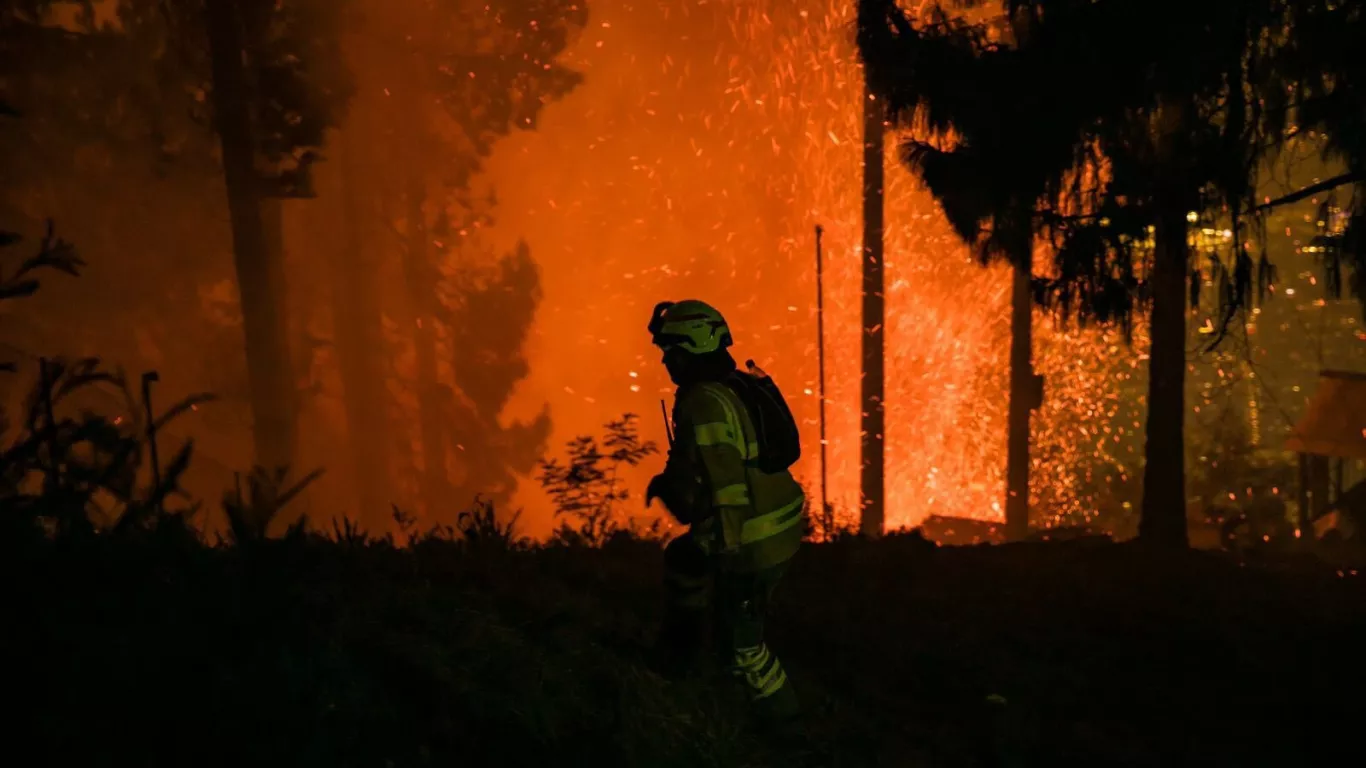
[(690, 325)]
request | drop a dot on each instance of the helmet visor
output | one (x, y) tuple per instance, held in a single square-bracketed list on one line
[(657, 324)]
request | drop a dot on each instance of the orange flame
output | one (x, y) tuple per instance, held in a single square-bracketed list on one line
[(707, 141)]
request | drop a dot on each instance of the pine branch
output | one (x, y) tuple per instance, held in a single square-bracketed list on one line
[(1341, 180)]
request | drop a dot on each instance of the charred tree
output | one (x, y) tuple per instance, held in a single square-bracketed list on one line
[(1025, 388), (359, 341), (445, 122), (273, 223), (1174, 192), (489, 359), (872, 482), (421, 281), (268, 360), (1164, 476)]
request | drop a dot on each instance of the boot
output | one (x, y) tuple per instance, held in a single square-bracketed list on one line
[(780, 710), (677, 650), (778, 721)]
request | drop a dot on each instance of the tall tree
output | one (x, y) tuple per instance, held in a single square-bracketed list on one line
[(462, 75), (1183, 129), (1327, 77), (1165, 113), (108, 109), (488, 314), (268, 368), (357, 329), (270, 114), (268, 70), (420, 278), (987, 189)]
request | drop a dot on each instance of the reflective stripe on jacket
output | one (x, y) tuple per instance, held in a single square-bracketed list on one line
[(754, 517)]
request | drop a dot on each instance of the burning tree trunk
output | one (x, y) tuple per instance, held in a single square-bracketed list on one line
[(360, 342), (873, 511), (268, 362), (421, 284), (1025, 391), (1164, 478)]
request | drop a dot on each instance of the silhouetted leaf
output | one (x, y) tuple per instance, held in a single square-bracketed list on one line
[(180, 408), (19, 289)]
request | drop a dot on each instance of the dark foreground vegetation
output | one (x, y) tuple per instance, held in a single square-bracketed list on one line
[(152, 649)]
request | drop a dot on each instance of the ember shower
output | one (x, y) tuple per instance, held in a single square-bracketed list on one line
[(707, 141)]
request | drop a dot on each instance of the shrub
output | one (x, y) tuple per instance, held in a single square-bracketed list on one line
[(586, 488)]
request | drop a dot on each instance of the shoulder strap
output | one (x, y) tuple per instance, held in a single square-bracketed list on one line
[(743, 417), (716, 411)]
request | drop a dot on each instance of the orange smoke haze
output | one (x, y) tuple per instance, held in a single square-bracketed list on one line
[(707, 141)]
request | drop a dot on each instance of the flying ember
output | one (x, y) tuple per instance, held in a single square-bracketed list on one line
[(706, 142)]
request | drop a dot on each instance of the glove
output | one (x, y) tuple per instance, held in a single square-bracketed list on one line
[(655, 490), (726, 560), (660, 488)]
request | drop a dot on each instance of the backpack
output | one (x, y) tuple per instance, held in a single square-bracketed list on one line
[(779, 444)]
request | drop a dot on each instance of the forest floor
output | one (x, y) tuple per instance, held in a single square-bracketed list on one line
[(317, 653)]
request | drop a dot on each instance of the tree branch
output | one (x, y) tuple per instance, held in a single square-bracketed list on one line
[(1340, 180)]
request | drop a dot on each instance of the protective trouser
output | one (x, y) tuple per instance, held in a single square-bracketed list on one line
[(739, 604)]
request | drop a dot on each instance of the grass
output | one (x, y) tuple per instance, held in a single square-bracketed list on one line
[(127, 640), (152, 649)]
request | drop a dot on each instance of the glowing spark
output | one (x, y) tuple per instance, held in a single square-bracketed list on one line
[(727, 194)]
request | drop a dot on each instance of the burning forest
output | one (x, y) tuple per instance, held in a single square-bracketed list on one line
[(336, 335)]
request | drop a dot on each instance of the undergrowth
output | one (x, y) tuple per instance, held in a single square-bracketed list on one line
[(131, 638)]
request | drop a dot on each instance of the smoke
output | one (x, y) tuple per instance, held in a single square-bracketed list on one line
[(489, 317)]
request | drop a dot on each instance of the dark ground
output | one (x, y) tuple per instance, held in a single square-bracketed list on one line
[(314, 653)]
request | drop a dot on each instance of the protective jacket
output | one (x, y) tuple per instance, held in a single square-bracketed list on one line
[(750, 519)]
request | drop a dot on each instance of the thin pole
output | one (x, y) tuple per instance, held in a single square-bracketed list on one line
[(820, 356), (147, 379)]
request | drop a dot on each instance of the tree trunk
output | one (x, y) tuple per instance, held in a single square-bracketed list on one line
[(360, 344), (1306, 517), (873, 513), (1163, 518), (1024, 391), (268, 362), (1319, 483), (421, 280), (273, 227)]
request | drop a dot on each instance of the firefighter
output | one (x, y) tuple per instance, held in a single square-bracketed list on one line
[(745, 524)]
